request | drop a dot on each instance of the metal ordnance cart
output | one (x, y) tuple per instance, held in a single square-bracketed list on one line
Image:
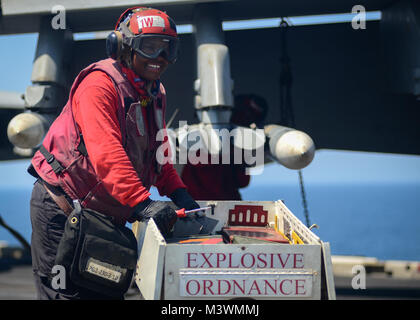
[(299, 269)]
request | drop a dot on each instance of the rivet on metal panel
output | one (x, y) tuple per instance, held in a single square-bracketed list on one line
[(170, 277)]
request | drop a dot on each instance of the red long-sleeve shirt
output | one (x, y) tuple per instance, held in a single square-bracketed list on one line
[(95, 105)]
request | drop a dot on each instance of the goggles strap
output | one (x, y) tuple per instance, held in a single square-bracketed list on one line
[(126, 32)]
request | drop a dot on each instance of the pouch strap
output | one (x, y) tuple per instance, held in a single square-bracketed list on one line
[(55, 165)]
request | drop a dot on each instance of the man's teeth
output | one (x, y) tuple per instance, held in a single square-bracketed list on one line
[(153, 66)]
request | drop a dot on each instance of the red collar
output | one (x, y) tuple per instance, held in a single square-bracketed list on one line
[(139, 84)]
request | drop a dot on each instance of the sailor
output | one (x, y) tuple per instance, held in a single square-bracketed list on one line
[(101, 149), (223, 181)]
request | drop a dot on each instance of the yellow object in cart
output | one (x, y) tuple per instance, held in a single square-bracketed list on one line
[(292, 237), (296, 238)]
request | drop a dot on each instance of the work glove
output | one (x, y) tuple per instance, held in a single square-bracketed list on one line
[(183, 199), (163, 215)]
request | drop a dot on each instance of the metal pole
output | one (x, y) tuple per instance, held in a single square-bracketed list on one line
[(214, 98), (11, 100)]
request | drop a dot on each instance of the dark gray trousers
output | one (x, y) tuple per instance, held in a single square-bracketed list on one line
[(48, 222)]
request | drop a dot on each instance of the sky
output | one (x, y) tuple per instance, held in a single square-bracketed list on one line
[(328, 166)]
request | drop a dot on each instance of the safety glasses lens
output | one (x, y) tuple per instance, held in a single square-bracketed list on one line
[(152, 47)]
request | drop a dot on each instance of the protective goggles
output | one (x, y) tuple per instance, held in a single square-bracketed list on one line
[(151, 46)]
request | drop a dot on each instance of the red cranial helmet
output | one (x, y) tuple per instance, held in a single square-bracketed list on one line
[(149, 32), (149, 21)]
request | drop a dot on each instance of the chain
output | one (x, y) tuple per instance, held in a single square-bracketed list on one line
[(287, 116), (304, 203)]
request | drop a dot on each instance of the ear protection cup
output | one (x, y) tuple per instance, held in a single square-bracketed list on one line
[(114, 42), (114, 45)]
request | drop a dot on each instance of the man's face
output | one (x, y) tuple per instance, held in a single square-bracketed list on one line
[(149, 69)]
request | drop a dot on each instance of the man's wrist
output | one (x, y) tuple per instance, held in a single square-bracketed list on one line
[(183, 199), (180, 192), (179, 197)]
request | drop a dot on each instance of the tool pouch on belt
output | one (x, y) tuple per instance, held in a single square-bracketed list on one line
[(97, 254)]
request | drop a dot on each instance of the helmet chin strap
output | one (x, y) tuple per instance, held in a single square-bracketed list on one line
[(129, 60)]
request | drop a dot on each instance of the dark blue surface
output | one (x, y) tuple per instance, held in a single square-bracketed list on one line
[(378, 220)]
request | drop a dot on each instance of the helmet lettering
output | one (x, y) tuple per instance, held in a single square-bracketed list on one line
[(150, 21)]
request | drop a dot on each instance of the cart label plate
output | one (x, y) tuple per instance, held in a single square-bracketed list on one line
[(245, 284)]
